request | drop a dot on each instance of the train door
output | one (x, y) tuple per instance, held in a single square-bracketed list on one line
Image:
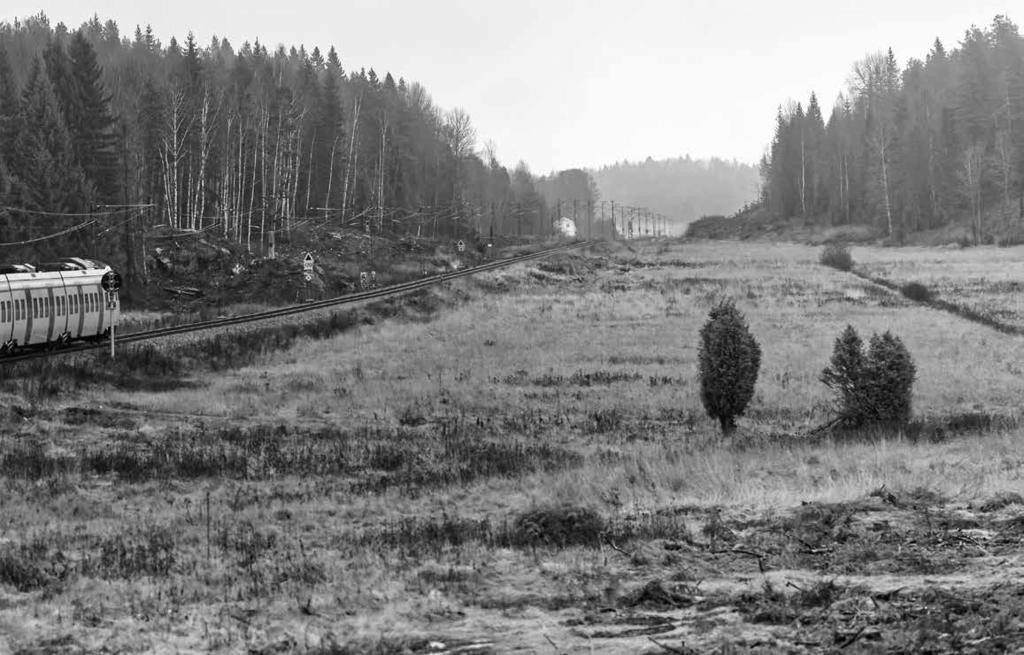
[(91, 310), (37, 322), (6, 313), (60, 311), (20, 305), (76, 310)]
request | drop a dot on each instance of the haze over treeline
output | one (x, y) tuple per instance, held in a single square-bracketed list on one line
[(682, 188), (232, 138), (936, 142)]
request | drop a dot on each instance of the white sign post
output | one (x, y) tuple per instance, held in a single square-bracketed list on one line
[(460, 246)]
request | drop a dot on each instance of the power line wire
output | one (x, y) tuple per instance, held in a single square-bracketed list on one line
[(80, 226)]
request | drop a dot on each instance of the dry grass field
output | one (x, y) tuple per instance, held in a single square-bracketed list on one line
[(521, 463), (987, 280)]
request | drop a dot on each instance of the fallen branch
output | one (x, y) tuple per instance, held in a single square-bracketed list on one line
[(825, 426), (973, 542), (670, 649), (558, 651), (855, 637), (616, 548), (760, 557)]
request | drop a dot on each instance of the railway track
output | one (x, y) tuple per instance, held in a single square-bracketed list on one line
[(373, 294)]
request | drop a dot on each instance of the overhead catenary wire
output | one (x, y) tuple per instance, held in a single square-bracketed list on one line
[(75, 228), (53, 214)]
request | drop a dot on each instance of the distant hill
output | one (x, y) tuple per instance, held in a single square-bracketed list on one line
[(683, 189)]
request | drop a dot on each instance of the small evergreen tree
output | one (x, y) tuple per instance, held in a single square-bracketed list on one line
[(844, 371), (873, 387), (888, 377), (836, 255), (729, 358)]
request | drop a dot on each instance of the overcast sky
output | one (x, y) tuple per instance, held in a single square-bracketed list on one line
[(564, 83)]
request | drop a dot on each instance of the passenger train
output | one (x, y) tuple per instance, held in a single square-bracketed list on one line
[(54, 303)]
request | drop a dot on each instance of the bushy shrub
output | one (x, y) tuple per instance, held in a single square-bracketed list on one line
[(837, 255), (916, 291), (873, 387), (561, 526), (729, 358)]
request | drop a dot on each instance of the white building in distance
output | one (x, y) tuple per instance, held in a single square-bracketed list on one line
[(565, 227)]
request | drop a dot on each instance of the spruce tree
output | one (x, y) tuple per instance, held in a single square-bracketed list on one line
[(90, 123), (844, 373), (48, 179), (9, 107)]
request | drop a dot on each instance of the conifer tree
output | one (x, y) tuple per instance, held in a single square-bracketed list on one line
[(49, 177), (730, 359), (9, 107), (90, 123)]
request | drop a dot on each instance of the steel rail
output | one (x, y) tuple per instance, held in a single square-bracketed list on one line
[(373, 294)]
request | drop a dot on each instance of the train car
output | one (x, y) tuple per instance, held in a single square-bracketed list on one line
[(54, 303)]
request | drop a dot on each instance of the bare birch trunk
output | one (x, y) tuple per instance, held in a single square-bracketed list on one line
[(309, 171), (330, 177), (349, 165), (380, 181)]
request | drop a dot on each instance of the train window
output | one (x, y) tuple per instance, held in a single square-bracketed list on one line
[(35, 308)]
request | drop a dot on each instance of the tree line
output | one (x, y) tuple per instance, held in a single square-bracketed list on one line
[(682, 188), (110, 133), (931, 144)]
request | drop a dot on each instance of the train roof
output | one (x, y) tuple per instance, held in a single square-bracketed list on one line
[(61, 264)]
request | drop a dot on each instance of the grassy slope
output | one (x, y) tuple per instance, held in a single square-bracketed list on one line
[(602, 368)]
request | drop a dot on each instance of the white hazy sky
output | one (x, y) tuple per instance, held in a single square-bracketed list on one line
[(564, 83)]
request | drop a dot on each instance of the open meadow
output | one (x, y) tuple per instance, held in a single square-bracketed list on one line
[(520, 462)]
